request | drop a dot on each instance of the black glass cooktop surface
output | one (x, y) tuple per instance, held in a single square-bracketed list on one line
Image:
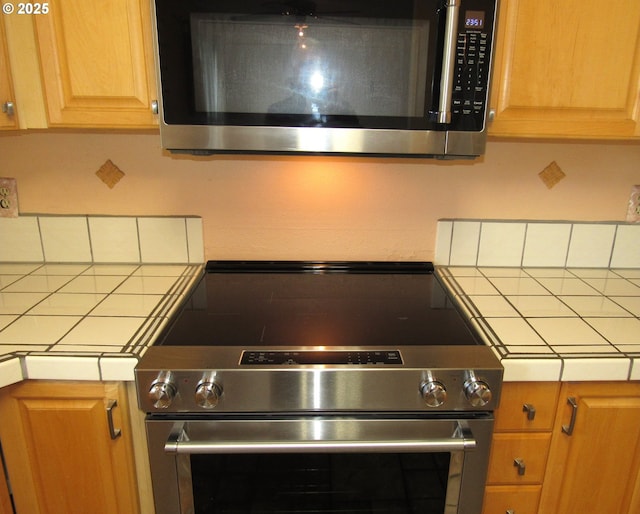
[(318, 304)]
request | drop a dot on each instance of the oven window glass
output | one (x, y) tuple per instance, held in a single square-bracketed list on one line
[(322, 64), (320, 483)]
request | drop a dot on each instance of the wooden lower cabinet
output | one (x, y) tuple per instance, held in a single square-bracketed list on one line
[(62, 455), (597, 467), (520, 447), (518, 500), (5, 499)]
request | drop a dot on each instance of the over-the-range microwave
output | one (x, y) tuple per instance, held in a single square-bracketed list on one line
[(363, 77)]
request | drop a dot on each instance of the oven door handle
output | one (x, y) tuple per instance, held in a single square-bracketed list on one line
[(371, 439)]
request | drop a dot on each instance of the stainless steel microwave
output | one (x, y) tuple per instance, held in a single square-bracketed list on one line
[(362, 77)]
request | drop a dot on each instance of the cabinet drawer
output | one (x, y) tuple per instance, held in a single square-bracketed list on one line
[(499, 499), (530, 450), (527, 406)]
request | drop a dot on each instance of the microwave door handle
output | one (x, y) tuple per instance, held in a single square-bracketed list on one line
[(448, 61)]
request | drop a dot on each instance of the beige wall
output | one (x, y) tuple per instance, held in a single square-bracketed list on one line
[(286, 207)]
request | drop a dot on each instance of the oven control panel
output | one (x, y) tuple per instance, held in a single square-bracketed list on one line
[(325, 357), (314, 380)]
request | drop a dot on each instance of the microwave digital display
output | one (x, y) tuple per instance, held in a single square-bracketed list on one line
[(474, 20)]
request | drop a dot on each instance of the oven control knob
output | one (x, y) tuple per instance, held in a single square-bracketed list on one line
[(208, 394), (433, 393), (162, 392), (477, 392)]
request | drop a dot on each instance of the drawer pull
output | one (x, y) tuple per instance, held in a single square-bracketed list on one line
[(568, 429), (511, 511), (522, 468), (530, 410)]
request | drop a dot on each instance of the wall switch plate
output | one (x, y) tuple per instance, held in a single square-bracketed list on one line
[(8, 198), (633, 211)]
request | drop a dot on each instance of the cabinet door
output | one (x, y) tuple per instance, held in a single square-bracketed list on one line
[(596, 468), (8, 118), (567, 69), (5, 499), (59, 452), (96, 60)]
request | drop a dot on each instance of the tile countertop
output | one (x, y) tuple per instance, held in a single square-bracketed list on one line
[(549, 324), (84, 321)]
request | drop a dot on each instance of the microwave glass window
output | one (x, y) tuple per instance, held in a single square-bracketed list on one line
[(310, 67)]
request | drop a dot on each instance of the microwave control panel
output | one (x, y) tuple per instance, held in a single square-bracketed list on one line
[(471, 75)]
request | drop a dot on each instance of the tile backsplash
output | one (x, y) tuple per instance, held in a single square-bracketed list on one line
[(538, 244), (101, 239)]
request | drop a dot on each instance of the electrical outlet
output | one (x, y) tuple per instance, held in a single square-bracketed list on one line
[(8, 198), (633, 211)]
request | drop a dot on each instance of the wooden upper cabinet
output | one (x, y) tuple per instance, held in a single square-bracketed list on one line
[(97, 63), (8, 116), (567, 69)]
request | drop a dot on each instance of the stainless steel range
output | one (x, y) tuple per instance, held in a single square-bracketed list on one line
[(319, 387)]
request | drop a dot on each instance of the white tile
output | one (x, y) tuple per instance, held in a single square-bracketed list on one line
[(573, 350), (540, 306), (501, 244), (504, 272), (532, 370), (118, 368), (93, 284), (625, 249), (61, 269), (595, 306), (67, 304), (146, 285), (37, 329), (105, 331), (6, 280), (549, 272), (111, 269), (19, 303), (38, 284), (65, 238), (618, 331), (514, 332), (464, 243), (624, 273), (14, 268), (444, 234), (567, 286), (464, 271), (597, 368), (163, 240), (493, 306), (630, 303), (59, 367), (591, 245), (160, 270), (546, 244), (138, 305), (10, 372), (476, 286), (22, 348), (566, 331), (6, 320), (24, 236), (518, 286), (195, 240), (614, 286), (635, 370), (114, 239)]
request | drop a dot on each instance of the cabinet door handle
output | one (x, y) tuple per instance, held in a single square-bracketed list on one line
[(530, 410), (8, 108), (511, 511), (568, 429), (114, 433), (522, 467)]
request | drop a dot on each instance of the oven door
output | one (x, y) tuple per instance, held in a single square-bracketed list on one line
[(319, 465)]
